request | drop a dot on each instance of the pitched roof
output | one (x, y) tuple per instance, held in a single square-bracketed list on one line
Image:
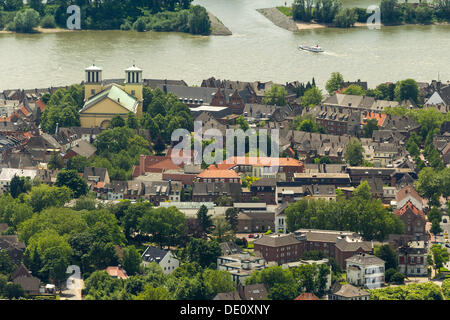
[(219, 174), (349, 291), (409, 207), (256, 291), (116, 272), (277, 240), (153, 254), (233, 295), (406, 192), (116, 94), (365, 259), (307, 296)]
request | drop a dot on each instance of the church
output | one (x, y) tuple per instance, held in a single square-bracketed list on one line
[(104, 102)]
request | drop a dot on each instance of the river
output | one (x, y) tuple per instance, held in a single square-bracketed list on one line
[(257, 50)]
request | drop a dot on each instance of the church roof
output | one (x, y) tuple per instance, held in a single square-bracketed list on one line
[(116, 94)]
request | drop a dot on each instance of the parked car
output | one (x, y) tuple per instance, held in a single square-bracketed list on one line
[(447, 245), (251, 235), (444, 221)]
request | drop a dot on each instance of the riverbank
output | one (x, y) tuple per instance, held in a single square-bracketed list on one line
[(283, 21), (217, 27), (279, 19)]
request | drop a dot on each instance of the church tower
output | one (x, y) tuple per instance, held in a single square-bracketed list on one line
[(134, 85), (93, 82)]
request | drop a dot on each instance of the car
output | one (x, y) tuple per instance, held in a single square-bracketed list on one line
[(251, 235), (256, 236), (447, 245), (444, 221)]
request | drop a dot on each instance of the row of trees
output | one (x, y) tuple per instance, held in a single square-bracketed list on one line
[(331, 11), (160, 15), (361, 214), (400, 91), (422, 291), (188, 282), (286, 284)]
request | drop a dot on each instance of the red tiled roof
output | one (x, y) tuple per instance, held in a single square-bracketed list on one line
[(409, 206), (166, 164), (116, 272), (217, 173), (40, 104), (408, 191), (307, 296), (25, 111), (374, 115)]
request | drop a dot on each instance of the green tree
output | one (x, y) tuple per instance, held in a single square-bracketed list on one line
[(132, 121), (44, 196), (117, 122), (335, 83), (55, 161), (354, 89), (216, 281), (25, 21), (198, 21), (77, 163), (388, 255), (370, 126), (203, 252), (312, 96), (71, 179), (231, 216), (204, 219), (6, 264), (276, 95), (19, 185), (407, 89), (354, 152), (131, 261)]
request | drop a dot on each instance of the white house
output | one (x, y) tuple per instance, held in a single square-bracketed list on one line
[(8, 174), (165, 259), (241, 265), (365, 270)]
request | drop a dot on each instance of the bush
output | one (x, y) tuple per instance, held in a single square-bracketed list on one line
[(48, 22), (398, 278), (25, 21), (388, 274), (140, 25), (345, 18), (126, 26)]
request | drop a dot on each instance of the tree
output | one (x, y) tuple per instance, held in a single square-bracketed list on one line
[(354, 89), (204, 252), (216, 281), (370, 126), (25, 21), (131, 261), (312, 96), (345, 18), (407, 89), (44, 196), (198, 21), (19, 185), (72, 180), (166, 225), (389, 13), (242, 123), (335, 83), (231, 216), (151, 293), (117, 122), (36, 5), (6, 264), (276, 95), (428, 183), (423, 13), (388, 255), (55, 161), (398, 278), (354, 152), (132, 121), (77, 163), (436, 227), (222, 229), (440, 255), (204, 219)]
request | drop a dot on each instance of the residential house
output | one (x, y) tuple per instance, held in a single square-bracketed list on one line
[(97, 178), (117, 272), (210, 191), (280, 248), (335, 120), (22, 276), (257, 291), (347, 292), (412, 259), (365, 270), (165, 258), (12, 245), (255, 221), (414, 220), (241, 266)]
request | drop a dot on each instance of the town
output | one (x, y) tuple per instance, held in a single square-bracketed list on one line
[(95, 206)]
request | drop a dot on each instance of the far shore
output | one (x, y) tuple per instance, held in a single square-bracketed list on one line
[(280, 19), (42, 30)]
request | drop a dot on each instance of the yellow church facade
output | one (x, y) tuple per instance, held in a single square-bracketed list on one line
[(102, 103)]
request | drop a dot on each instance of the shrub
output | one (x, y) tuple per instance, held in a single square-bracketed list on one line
[(48, 22), (25, 21), (140, 24), (126, 26)]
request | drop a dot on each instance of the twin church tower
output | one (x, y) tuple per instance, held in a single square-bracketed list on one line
[(102, 101)]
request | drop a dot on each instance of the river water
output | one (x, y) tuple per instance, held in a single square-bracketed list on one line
[(257, 50)]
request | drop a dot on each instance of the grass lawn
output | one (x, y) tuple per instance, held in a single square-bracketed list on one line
[(286, 11)]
